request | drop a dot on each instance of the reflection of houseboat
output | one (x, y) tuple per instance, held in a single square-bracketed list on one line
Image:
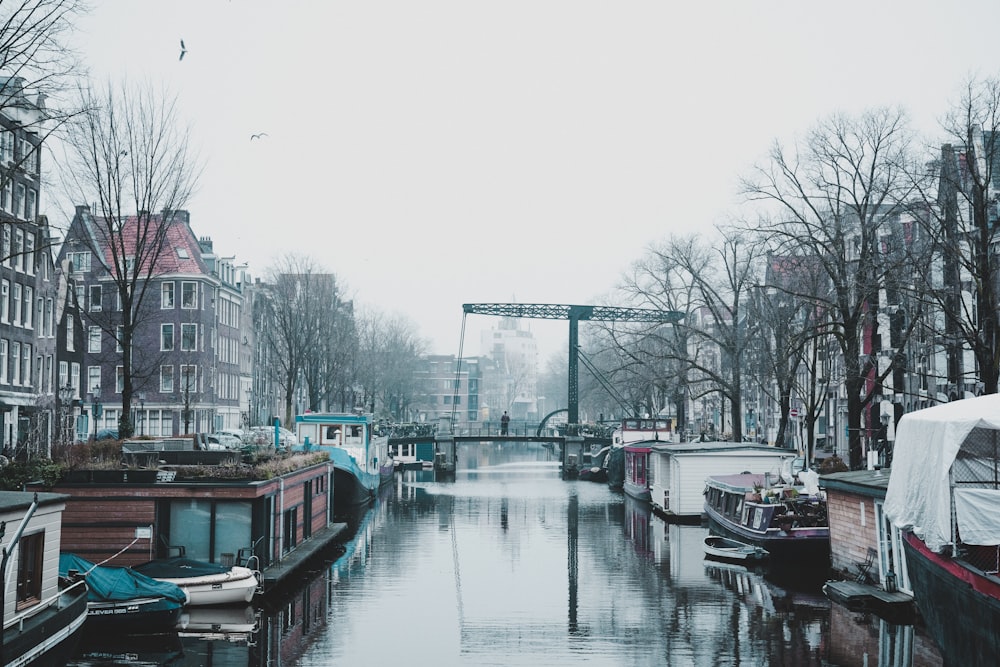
[(42, 615), (944, 495), (360, 458), (787, 520)]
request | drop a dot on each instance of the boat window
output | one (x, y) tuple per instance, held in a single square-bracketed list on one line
[(30, 549)]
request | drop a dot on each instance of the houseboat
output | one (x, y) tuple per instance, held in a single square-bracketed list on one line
[(42, 614), (360, 458), (786, 519), (638, 475), (679, 470), (618, 465), (944, 498), (269, 516)]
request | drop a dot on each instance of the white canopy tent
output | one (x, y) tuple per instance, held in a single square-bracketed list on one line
[(964, 435)]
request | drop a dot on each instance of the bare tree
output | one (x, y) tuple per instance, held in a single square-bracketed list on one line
[(717, 277), (837, 197), (129, 154), (961, 225), (302, 295), (387, 359)]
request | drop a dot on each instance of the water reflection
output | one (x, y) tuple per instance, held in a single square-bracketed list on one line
[(510, 565)]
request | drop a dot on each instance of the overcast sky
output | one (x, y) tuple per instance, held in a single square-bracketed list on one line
[(433, 153)]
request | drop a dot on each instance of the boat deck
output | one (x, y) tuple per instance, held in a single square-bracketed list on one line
[(293, 560), (865, 597)]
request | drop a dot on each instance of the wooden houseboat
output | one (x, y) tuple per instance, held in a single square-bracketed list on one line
[(223, 520)]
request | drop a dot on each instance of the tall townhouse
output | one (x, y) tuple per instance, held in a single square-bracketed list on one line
[(24, 423), (186, 348)]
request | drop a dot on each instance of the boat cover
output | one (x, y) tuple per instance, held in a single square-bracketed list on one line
[(180, 568), (113, 584), (927, 444)]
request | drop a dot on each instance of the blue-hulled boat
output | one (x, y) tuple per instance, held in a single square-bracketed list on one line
[(360, 458), (122, 600)]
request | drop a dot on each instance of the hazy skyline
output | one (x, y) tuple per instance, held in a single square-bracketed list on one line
[(443, 152)]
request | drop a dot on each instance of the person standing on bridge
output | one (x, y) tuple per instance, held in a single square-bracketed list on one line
[(504, 421)]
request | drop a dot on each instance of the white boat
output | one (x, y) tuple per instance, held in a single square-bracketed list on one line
[(205, 583), (723, 548)]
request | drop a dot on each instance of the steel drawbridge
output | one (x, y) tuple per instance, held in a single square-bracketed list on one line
[(574, 314)]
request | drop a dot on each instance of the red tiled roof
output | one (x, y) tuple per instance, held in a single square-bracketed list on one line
[(179, 240)]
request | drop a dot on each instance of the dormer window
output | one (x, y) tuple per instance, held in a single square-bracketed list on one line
[(182, 253)]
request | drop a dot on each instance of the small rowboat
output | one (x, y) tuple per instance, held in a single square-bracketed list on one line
[(723, 548), (205, 583)]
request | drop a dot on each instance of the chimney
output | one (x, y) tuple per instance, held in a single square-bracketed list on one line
[(206, 244)]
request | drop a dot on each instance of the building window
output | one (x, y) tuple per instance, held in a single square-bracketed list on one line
[(63, 374), (189, 295), (95, 298), (19, 201), (29, 251), (70, 334), (29, 301), (189, 337), (19, 249), (80, 262), (167, 295), (166, 379), (15, 362), (166, 337), (93, 378), (119, 337), (16, 298), (49, 319), (30, 549), (119, 379), (74, 378), (5, 301), (3, 360), (94, 340), (26, 365), (189, 379)]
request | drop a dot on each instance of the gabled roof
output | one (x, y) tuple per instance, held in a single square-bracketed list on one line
[(181, 253)]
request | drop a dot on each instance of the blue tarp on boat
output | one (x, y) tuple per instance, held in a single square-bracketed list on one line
[(179, 568), (110, 584)]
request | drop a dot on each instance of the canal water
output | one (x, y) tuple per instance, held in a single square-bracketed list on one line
[(509, 565)]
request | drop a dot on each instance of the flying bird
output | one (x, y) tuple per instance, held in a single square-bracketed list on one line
[(183, 50), (259, 135)]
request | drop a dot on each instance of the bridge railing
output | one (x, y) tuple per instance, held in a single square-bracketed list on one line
[(494, 428)]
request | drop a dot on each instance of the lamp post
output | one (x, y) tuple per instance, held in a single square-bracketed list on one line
[(95, 396)]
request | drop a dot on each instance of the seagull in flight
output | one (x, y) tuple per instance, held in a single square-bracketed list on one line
[(259, 135), (183, 50)]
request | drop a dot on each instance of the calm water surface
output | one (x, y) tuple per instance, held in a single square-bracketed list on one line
[(509, 565)]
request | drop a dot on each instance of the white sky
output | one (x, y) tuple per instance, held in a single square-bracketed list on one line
[(439, 152)]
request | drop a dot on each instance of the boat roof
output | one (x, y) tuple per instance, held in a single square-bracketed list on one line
[(715, 446), (332, 418), (16, 500), (740, 482)]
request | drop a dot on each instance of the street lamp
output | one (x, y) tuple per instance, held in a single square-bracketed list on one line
[(95, 399), (142, 413)]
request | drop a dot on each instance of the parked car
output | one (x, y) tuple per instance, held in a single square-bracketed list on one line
[(224, 440), (265, 434), (237, 433)]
